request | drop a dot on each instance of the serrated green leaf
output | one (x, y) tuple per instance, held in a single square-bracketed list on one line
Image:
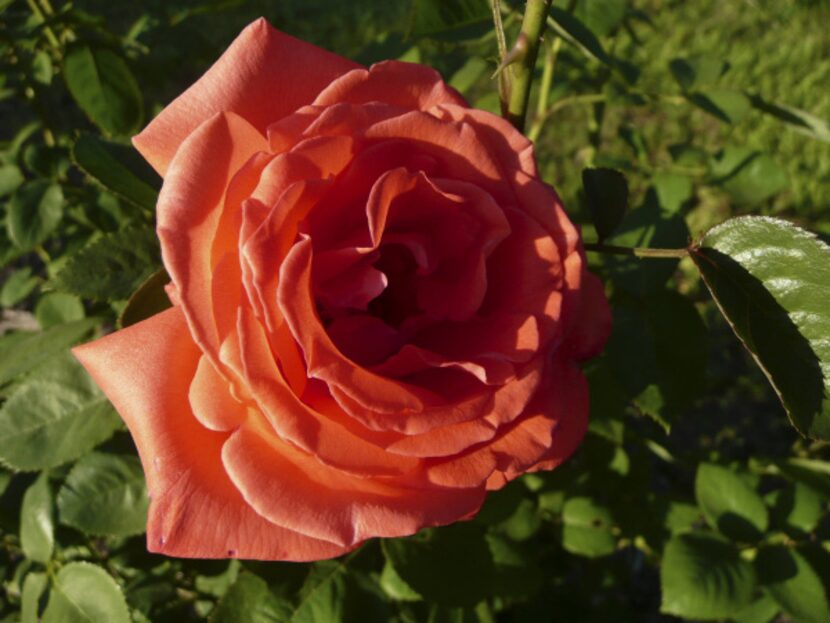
[(53, 417), (729, 504), (118, 168), (32, 349), (586, 529), (452, 566), (703, 577), (37, 526), (606, 193), (58, 308), (682, 517), (33, 588), (771, 280), (105, 89), (112, 266), (790, 580), (249, 600), (105, 494), (35, 210), (85, 593)]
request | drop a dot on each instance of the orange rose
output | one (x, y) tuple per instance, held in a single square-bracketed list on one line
[(378, 309)]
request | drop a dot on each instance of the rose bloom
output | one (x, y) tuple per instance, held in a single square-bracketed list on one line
[(378, 309)]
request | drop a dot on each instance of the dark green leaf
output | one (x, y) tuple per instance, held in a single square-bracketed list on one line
[(37, 524), (451, 566), (586, 529), (112, 266), (801, 120), (434, 17), (118, 168), (798, 506), (601, 16), (53, 417), (729, 504), (697, 71), (606, 193), (249, 600), (650, 225), (517, 573), (790, 580), (813, 473), (575, 32), (771, 281), (704, 577), (395, 587), (104, 88), (748, 176), (150, 299), (34, 212), (323, 596), (105, 494), (728, 106), (84, 593)]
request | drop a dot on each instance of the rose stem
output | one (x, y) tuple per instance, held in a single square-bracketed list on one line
[(504, 86), (533, 24), (635, 251)]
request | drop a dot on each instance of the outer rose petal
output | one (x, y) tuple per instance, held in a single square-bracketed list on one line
[(263, 76), (589, 334), (407, 85), (195, 510)]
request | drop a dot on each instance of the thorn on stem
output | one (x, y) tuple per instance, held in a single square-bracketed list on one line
[(515, 55)]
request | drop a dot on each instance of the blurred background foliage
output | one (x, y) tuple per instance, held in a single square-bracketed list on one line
[(691, 498)]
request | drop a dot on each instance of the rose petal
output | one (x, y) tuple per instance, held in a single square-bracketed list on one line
[(189, 212), (195, 510), (589, 333), (294, 489), (264, 75), (407, 85)]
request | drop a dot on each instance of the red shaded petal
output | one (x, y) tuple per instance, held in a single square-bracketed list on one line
[(195, 510), (406, 85), (548, 431), (264, 75), (592, 327)]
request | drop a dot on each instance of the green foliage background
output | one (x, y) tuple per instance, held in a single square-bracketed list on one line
[(692, 497)]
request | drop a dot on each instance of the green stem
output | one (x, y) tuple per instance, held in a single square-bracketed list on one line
[(504, 85), (551, 53), (533, 25), (611, 249), (47, 30)]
